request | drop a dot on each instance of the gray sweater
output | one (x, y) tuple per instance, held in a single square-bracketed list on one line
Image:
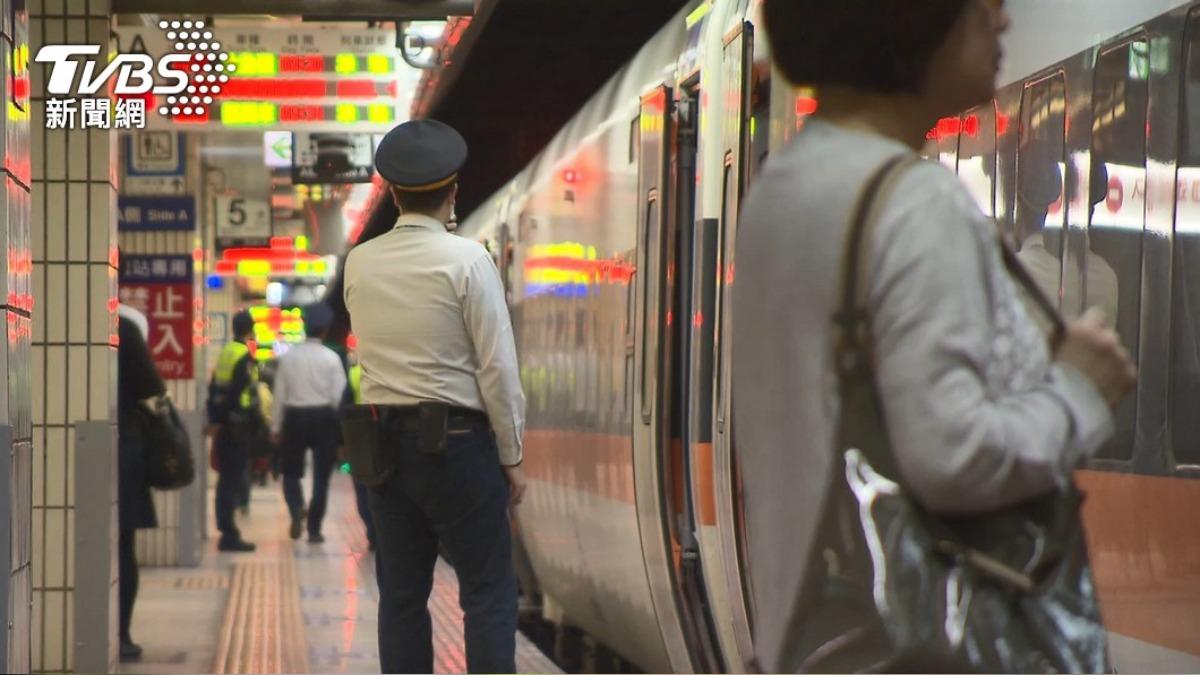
[(978, 414)]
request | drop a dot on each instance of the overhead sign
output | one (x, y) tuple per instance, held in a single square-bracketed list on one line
[(155, 153), (277, 149), (302, 78), (154, 186), (332, 158), (160, 286), (239, 217), (156, 213)]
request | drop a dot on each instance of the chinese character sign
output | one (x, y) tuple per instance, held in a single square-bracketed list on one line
[(160, 286)]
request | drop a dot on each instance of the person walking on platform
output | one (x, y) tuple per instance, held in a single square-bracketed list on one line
[(137, 380), (309, 386), (883, 357), (235, 421), (361, 495), (438, 438)]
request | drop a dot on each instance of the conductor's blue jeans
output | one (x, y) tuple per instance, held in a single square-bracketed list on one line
[(460, 499)]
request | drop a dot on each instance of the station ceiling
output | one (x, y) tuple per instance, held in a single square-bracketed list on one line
[(529, 66)]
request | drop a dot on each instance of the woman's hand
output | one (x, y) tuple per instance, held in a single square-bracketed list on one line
[(1095, 350)]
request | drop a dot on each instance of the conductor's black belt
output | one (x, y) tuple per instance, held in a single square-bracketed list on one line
[(403, 418), (371, 433)]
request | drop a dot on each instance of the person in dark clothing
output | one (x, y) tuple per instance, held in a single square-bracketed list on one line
[(234, 418), (137, 380)]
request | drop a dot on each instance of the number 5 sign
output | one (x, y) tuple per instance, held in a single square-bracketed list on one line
[(243, 218)]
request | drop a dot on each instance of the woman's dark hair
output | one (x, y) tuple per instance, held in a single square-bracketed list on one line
[(423, 202), (880, 45)]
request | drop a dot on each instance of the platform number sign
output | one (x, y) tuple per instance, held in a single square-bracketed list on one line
[(242, 217)]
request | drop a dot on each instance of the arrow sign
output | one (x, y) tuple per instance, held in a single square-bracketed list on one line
[(277, 149)]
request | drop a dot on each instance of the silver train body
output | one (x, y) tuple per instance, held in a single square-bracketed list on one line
[(616, 245)]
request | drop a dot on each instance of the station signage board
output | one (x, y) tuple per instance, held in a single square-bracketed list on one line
[(161, 287), (145, 214), (317, 78)]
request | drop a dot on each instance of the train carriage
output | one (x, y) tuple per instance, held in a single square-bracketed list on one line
[(616, 247)]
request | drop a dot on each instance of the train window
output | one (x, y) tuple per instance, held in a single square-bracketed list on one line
[(649, 281), (977, 155), (1040, 214), (1184, 377), (635, 138), (1117, 207)]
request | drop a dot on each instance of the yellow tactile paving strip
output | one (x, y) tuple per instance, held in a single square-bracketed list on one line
[(263, 630)]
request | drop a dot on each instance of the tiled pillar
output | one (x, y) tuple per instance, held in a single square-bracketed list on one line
[(165, 545), (73, 360), (15, 306)]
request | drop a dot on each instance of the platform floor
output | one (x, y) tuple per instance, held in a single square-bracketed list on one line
[(289, 606)]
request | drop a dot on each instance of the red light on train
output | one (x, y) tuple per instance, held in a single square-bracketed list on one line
[(805, 105), (1001, 124), (570, 176), (970, 125)]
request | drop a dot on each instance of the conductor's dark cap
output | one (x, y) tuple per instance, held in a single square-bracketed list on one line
[(317, 318), (421, 155)]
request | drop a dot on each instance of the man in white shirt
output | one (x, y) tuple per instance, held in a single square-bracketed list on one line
[(309, 386), (440, 369)]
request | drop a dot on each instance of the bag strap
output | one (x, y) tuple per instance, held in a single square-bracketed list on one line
[(852, 350)]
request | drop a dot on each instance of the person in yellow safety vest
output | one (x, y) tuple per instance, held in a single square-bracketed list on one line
[(360, 491), (235, 421)]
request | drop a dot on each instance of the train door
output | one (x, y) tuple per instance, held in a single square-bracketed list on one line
[(691, 389), (652, 425), (713, 472)]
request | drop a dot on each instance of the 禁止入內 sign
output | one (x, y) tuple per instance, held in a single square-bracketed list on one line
[(161, 287)]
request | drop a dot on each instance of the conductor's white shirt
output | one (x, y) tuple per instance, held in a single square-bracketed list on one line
[(432, 324)]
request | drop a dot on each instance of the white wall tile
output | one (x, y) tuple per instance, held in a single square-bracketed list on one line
[(38, 383), (103, 387), (56, 385), (77, 224), (38, 536), (53, 305), (100, 7), (39, 467), (54, 226), (56, 573), (54, 634), (100, 213), (37, 214), (100, 320), (77, 151), (99, 142), (56, 468), (77, 394), (76, 305), (76, 28)]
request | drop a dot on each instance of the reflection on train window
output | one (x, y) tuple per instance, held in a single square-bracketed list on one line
[(760, 120), (977, 155), (1040, 213), (1184, 371), (1117, 207)]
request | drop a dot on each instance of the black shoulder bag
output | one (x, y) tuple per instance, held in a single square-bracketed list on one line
[(168, 451), (894, 588)]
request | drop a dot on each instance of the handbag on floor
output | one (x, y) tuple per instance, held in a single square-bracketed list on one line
[(894, 588)]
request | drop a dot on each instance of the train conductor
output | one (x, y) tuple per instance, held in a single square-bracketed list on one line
[(441, 384)]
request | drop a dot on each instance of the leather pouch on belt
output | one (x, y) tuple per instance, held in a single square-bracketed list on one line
[(434, 417), (370, 462)]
